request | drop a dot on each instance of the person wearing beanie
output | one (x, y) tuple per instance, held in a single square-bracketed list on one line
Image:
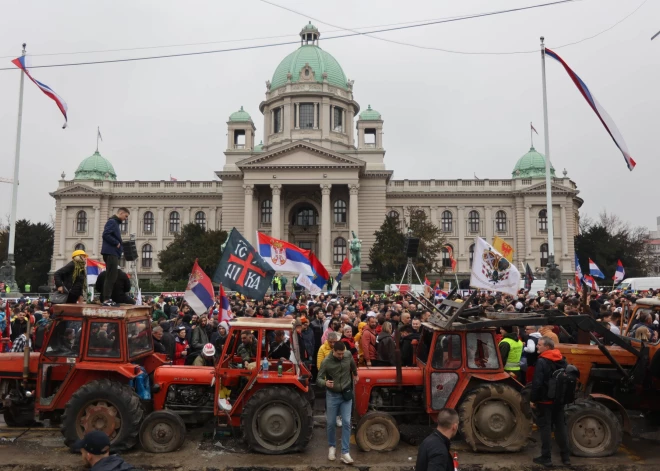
[(72, 277)]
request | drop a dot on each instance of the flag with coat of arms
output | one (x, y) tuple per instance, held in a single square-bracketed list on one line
[(492, 271)]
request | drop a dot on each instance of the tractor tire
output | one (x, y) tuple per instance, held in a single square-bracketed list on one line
[(162, 431), (277, 420), (493, 419), (593, 430), (103, 405), (377, 431), (19, 416)]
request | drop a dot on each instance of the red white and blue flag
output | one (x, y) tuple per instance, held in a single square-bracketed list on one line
[(61, 104), (283, 256), (199, 292), (321, 276), (620, 273), (594, 270), (571, 286), (578, 272), (605, 118), (94, 269), (345, 268), (427, 282), (225, 308), (590, 282)]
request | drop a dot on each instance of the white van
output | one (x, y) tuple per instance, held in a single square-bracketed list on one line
[(537, 285), (639, 284)]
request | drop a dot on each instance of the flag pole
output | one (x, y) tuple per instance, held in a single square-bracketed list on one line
[(531, 135), (548, 178), (9, 270), (98, 133)]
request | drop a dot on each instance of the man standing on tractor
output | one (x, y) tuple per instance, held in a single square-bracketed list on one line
[(433, 454), (511, 349), (549, 414), (338, 373), (111, 251)]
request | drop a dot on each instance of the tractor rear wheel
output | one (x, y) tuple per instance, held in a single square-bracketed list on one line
[(377, 431), (593, 429), (277, 420), (493, 419), (103, 405), (162, 431)]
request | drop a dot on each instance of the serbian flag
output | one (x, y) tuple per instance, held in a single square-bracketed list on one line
[(225, 308), (346, 266), (605, 118), (594, 270), (94, 269), (620, 272), (321, 276), (427, 282), (450, 250), (578, 272), (61, 104), (571, 286), (283, 256), (199, 292), (590, 282)]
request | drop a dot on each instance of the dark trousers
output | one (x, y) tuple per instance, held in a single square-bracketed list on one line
[(547, 417), (111, 271)]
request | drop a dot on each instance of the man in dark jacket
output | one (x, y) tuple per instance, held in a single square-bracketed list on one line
[(168, 339), (199, 336), (95, 450), (549, 415), (120, 289), (111, 251), (433, 454), (408, 335)]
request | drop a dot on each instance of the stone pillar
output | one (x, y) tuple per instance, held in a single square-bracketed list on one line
[(528, 232), (434, 215), (564, 234), (296, 125), (316, 112), (325, 224), (276, 218), (160, 228), (134, 222), (489, 224), (461, 231), (212, 224), (186, 216), (63, 226), (353, 210), (247, 217), (332, 118), (97, 230), (343, 121)]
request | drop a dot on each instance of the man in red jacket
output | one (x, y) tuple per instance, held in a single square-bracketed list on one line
[(368, 339)]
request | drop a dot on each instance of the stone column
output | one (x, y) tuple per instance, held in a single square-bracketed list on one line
[(212, 215), (564, 234), (461, 231), (489, 224), (134, 222), (343, 121), (97, 230), (63, 225), (434, 215), (160, 228), (316, 111), (528, 232), (325, 224), (276, 218), (247, 217), (332, 118), (296, 125), (353, 191), (186, 216)]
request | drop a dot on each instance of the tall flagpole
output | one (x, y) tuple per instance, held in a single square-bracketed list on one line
[(548, 177), (531, 136), (9, 269)]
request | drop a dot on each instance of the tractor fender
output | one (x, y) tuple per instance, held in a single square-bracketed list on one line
[(613, 404)]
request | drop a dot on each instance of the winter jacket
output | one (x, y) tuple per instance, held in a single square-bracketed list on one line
[(159, 347), (386, 348), (341, 372), (324, 351), (218, 342), (546, 331), (547, 363), (247, 352), (119, 289), (368, 344), (530, 348), (433, 454), (169, 343), (280, 350), (350, 345), (408, 349), (64, 277), (308, 341), (179, 347), (159, 315), (198, 338), (112, 238), (112, 463), (316, 327)]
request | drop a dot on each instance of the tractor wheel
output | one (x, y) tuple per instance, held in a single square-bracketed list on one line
[(593, 429), (19, 416), (277, 420), (162, 431), (103, 405), (377, 431), (493, 419)]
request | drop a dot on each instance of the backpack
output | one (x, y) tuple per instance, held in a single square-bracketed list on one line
[(563, 384)]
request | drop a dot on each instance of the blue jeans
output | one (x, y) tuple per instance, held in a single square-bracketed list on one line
[(334, 406)]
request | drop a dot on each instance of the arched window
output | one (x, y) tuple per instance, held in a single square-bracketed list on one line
[(471, 250), (266, 211), (147, 253), (393, 214), (447, 221), (123, 226), (81, 221), (200, 219), (148, 222), (500, 221), (79, 247), (544, 255), (473, 221), (306, 216), (447, 250), (340, 211), (175, 222), (543, 220), (339, 251)]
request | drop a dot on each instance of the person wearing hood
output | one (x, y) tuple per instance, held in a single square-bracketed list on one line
[(72, 277), (386, 345), (111, 250), (167, 339), (95, 450), (219, 337), (511, 349), (549, 416), (408, 335), (533, 336)]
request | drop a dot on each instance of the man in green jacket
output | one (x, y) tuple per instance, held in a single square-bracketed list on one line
[(338, 373)]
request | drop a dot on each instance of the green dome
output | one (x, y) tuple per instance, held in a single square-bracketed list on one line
[(370, 115), (531, 165), (240, 115), (259, 147), (309, 28), (95, 167), (320, 62)]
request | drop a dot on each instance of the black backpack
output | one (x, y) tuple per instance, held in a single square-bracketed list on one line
[(563, 384)]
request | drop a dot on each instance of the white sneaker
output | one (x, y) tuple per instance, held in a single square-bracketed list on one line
[(331, 453), (339, 422), (346, 458)]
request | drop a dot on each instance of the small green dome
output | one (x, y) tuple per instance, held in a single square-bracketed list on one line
[(370, 115), (319, 61), (259, 147), (531, 165), (95, 167), (240, 115), (309, 28)]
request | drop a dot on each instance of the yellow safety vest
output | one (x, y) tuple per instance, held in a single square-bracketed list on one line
[(515, 354)]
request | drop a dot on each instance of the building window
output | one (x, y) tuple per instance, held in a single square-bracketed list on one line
[(266, 211), (175, 222), (79, 247), (500, 221), (447, 221), (543, 220), (473, 221), (123, 226), (446, 256), (81, 221), (393, 214), (277, 120), (306, 216), (340, 211), (471, 252), (339, 251), (544, 255), (337, 121), (148, 222), (147, 253), (200, 219), (306, 120), (305, 245)]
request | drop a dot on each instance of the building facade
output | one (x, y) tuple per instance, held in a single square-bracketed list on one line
[(317, 176)]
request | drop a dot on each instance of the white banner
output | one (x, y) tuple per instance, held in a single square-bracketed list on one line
[(303, 280), (490, 270)]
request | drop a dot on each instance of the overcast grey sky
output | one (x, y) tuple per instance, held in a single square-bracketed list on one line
[(446, 115)]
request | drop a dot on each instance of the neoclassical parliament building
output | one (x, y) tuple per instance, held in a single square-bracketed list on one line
[(317, 175)]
